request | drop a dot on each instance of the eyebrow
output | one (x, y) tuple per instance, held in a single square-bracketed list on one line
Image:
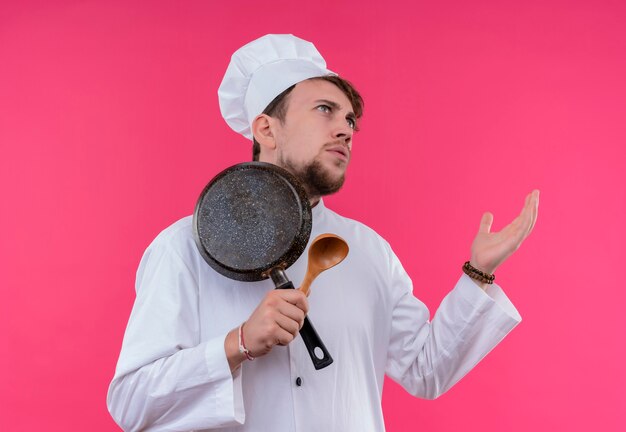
[(336, 106)]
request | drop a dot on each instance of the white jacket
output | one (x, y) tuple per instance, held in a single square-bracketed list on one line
[(172, 374)]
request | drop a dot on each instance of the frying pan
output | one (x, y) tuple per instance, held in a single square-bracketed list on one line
[(252, 221)]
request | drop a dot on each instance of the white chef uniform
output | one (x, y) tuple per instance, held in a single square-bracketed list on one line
[(173, 373)]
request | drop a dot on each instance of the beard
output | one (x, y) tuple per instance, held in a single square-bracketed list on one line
[(316, 180)]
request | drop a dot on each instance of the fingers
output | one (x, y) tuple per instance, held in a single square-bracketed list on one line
[(292, 312), (529, 212), (485, 223), (523, 224), (535, 208), (275, 321), (287, 331), (294, 297), (524, 220)]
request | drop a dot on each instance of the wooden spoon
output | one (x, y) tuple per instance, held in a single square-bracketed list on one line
[(326, 251)]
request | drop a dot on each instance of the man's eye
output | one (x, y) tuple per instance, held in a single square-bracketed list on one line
[(351, 123), (324, 108)]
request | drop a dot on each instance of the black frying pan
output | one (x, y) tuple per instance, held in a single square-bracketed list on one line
[(251, 222)]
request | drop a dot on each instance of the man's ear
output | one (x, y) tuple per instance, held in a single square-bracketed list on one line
[(262, 131)]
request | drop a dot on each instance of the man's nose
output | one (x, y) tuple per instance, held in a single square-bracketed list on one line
[(343, 132)]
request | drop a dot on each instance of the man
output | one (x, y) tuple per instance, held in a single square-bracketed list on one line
[(205, 352)]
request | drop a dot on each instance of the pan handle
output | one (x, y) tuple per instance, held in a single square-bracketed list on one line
[(310, 337), (312, 341)]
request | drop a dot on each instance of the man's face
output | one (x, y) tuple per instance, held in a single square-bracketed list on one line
[(315, 139)]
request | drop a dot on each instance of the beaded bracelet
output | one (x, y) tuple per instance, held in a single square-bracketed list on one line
[(480, 276)]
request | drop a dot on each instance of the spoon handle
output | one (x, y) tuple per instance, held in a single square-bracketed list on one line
[(306, 284)]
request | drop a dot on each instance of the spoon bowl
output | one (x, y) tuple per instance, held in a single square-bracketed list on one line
[(326, 251)]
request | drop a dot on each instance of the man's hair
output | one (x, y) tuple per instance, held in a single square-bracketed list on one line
[(278, 107)]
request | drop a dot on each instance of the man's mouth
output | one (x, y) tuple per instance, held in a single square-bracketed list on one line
[(340, 151)]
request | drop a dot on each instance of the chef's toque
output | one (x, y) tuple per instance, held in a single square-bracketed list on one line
[(260, 71)]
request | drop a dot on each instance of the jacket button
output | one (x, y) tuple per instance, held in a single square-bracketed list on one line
[(298, 381)]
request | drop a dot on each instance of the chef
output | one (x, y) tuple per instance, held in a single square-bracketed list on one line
[(204, 352)]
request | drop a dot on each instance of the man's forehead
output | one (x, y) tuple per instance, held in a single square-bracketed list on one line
[(313, 90)]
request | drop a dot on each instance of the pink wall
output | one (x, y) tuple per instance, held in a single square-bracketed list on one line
[(109, 129)]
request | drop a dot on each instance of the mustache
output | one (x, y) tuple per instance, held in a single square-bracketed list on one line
[(339, 142)]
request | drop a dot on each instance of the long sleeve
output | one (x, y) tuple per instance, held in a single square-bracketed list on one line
[(427, 358), (167, 377)]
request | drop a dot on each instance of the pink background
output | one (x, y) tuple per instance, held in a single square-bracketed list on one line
[(109, 129)]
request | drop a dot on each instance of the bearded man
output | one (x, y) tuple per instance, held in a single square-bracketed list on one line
[(204, 352)]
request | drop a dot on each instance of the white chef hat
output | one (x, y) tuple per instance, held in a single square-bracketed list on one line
[(260, 71)]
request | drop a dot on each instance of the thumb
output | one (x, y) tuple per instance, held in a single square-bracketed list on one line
[(485, 223)]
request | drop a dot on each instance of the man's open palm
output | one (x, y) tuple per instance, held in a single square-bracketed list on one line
[(490, 249)]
